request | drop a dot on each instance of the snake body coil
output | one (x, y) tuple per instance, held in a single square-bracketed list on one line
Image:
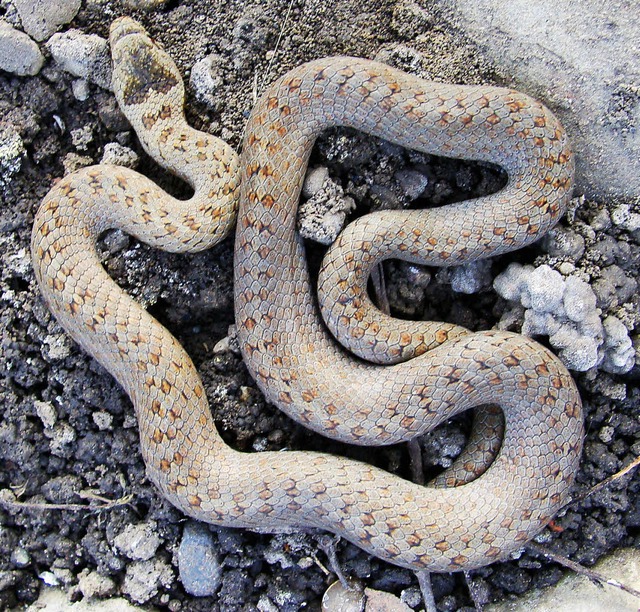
[(292, 355)]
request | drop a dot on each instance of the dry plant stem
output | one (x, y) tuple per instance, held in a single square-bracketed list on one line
[(107, 505), (607, 481), (424, 580), (596, 577), (473, 591), (328, 544)]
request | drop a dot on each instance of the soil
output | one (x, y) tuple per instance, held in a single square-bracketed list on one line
[(66, 427)]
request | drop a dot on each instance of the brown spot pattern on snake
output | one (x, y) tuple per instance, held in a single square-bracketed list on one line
[(294, 358)]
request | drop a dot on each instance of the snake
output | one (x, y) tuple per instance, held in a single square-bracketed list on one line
[(388, 381)]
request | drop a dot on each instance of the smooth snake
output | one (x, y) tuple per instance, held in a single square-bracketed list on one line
[(287, 348)]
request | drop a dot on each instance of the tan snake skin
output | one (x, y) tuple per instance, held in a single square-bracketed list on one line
[(295, 360)]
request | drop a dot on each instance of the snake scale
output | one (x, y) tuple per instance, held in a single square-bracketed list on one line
[(380, 397)]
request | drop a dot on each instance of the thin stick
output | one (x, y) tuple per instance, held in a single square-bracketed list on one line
[(106, 505), (595, 577), (607, 481), (424, 580), (473, 591), (275, 49)]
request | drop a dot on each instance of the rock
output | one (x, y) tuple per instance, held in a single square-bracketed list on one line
[(379, 601), (12, 152), (40, 19), (143, 579), (564, 242), (544, 290), (57, 600), (337, 597), (198, 561), (119, 155), (207, 80), (412, 182), (409, 19), (18, 53), (322, 216), (578, 594), (144, 5), (472, 277), (581, 58), (81, 89), (579, 300), (572, 322), (619, 354), (20, 557), (46, 412), (93, 584), (83, 55), (138, 542)]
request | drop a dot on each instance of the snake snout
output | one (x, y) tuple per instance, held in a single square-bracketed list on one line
[(123, 26)]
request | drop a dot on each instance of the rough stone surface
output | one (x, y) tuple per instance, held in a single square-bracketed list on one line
[(198, 562), (41, 18), (582, 57), (578, 594), (139, 541), (12, 152), (83, 55), (18, 53)]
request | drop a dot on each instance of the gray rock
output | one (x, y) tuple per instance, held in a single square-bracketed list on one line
[(412, 182), (41, 19), (18, 53), (619, 355), (337, 597), (92, 584), (198, 561), (472, 277), (577, 593), (119, 155), (511, 283), (143, 579), (139, 541), (83, 55), (81, 89), (581, 57), (544, 290), (564, 242), (573, 324), (322, 216), (12, 152), (206, 80), (579, 299)]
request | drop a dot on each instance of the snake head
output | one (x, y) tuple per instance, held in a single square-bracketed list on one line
[(142, 71)]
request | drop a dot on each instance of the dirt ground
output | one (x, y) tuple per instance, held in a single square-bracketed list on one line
[(66, 427)]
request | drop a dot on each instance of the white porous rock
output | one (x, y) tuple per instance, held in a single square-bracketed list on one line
[(543, 290), (119, 155), (41, 19), (206, 80), (12, 152), (18, 53), (619, 353), (579, 299), (83, 55), (472, 277), (510, 283), (565, 310), (322, 216)]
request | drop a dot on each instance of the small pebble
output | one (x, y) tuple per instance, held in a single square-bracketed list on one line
[(18, 53), (138, 542), (198, 561), (82, 55), (42, 19)]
